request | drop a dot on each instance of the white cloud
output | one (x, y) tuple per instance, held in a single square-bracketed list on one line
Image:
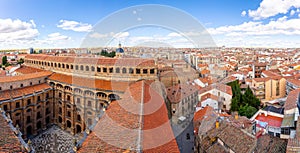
[(244, 13), (292, 12), (269, 8), (121, 35), (75, 26), (17, 30), (174, 34), (57, 36), (251, 28)]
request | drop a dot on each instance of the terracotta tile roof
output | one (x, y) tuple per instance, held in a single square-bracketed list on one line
[(271, 120), (294, 82), (8, 94), (100, 61), (236, 139), (9, 142), (90, 83), (26, 70), (205, 72), (25, 76), (216, 148), (222, 87), (261, 79), (179, 92), (291, 101), (204, 120), (124, 122), (269, 73), (208, 95)]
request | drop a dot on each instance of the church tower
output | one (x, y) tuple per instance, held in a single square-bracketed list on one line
[(119, 51)]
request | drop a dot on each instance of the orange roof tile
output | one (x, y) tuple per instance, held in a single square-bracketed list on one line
[(90, 83), (25, 76), (139, 62), (8, 94), (125, 122), (9, 142)]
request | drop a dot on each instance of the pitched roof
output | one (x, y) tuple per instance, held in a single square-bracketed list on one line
[(90, 83), (271, 120), (26, 70), (294, 82), (8, 94), (291, 100), (222, 87), (138, 62), (25, 76), (176, 93), (9, 142), (128, 131)]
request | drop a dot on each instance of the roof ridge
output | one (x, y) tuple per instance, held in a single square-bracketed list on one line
[(140, 134)]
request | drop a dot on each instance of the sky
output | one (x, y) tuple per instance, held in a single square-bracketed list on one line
[(67, 23)]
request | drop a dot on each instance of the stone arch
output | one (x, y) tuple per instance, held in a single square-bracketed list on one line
[(89, 93), (78, 129), (69, 124)]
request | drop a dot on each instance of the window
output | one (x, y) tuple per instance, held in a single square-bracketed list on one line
[(93, 68), (17, 104), (31, 83), (59, 110), (21, 85), (28, 110), (39, 98), (63, 65), (138, 71), (59, 95), (28, 101), (145, 71), (111, 70), (71, 67), (69, 114), (28, 119), (68, 124), (87, 68), (124, 70), (151, 71), (81, 67), (39, 81), (104, 69), (47, 95), (38, 116), (76, 67), (117, 70), (89, 103), (78, 100), (68, 97), (59, 119), (47, 111), (78, 118), (131, 71), (98, 69), (5, 107), (11, 87), (0, 88)]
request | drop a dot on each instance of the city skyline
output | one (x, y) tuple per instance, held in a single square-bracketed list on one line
[(64, 24)]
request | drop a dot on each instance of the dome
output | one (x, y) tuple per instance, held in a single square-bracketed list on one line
[(119, 50)]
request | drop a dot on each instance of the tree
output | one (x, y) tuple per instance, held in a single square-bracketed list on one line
[(234, 104), (21, 61), (247, 111), (250, 99), (4, 60)]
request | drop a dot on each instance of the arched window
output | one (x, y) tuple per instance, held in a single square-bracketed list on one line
[(93, 68), (87, 68), (81, 67), (117, 70), (124, 70), (68, 124)]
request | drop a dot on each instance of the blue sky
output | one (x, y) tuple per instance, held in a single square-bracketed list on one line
[(64, 23)]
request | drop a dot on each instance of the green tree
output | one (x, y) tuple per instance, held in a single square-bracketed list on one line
[(247, 111), (4, 60), (250, 99), (234, 104), (21, 61)]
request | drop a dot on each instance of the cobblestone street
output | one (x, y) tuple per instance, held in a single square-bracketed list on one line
[(53, 140)]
